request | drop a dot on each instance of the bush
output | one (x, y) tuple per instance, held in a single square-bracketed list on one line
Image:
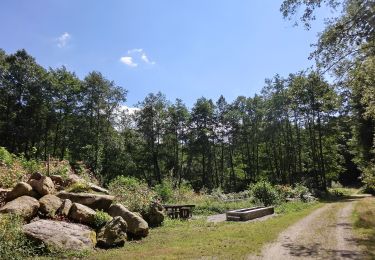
[(183, 193), (11, 169), (132, 193), (13, 242), (285, 191), (101, 218), (5, 156), (302, 192), (263, 192), (368, 178), (165, 190)]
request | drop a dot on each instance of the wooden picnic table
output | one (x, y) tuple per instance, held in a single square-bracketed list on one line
[(179, 211)]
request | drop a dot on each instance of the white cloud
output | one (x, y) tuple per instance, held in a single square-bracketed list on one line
[(63, 40), (145, 59), (127, 60), (136, 54)]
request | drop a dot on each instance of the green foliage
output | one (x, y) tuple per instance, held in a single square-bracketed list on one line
[(183, 192), (5, 157), (336, 192), (165, 190), (79, 187), (293, 206), (289, 133), (101, 218), (263, 192), (13, 242), (368, 178), (132, 193), (11, 169), (209, 206), (302, 192), (31, 165)]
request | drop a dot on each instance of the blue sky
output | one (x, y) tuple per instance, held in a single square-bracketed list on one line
[(185, 49)]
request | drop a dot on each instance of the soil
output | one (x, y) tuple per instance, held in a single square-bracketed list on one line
[(324, 234)]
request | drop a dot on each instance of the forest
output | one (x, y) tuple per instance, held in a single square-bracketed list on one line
[(314, 126)]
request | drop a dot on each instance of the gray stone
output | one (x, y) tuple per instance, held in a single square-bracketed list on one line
[(137, 226), (21, 189), (98, 188), (94, 201), (113, 233), (73, 178), (82, 214), (61, 235), (24, 206), (43, 186), (49, 204), (65, 207)]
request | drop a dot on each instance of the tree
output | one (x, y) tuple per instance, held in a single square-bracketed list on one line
[(150, 121), (346, 48)]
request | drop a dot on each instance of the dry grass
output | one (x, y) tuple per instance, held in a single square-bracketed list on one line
[(364, 225)]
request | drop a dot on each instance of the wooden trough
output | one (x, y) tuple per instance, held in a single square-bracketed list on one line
[(248, 213)]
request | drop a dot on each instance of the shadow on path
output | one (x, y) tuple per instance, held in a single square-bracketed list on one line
[(317, 251)]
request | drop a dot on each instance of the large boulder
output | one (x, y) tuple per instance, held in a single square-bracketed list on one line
[(94, 201), (36, 176), (21, 189), (61, 235), (97, 188), (113, 233), (3, 195), (137, 226), (82, 214), (73, 178), (49, 204), (24, 206), (57, 179), (65, 207), (43, 186), (156, 214)]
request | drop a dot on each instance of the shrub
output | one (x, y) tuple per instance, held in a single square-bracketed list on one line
[(302, 192), (13, 242), (183, 193), (264, 193), (5, 156), (368, 178), (56, 167), (132, 193), (165, 190), (101, 218), (285, 191)]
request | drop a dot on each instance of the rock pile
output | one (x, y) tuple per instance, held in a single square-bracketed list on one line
[(67, 220)]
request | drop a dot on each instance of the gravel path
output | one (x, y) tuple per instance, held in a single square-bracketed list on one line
[(324, 234)]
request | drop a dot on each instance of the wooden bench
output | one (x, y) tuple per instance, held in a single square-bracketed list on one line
[(179, 211)]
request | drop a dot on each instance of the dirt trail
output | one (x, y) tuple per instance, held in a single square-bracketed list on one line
[(324, 234)]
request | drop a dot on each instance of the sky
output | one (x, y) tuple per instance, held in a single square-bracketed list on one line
[(185, 49)]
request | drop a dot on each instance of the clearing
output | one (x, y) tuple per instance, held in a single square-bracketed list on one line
[(314, 231)]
